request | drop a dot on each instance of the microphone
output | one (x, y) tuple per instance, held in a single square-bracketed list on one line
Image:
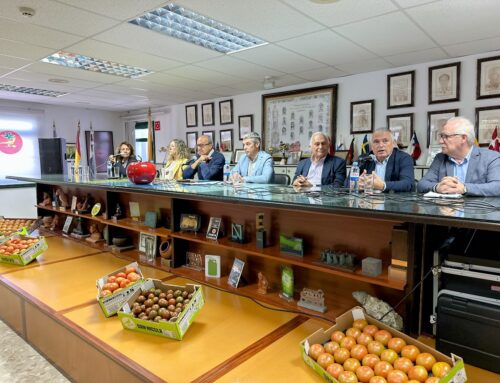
[(365, 159)]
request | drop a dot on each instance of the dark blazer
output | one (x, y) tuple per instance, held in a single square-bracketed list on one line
[(333, 170), (122, 167), (399, 173), (483, 173), (212, 170)]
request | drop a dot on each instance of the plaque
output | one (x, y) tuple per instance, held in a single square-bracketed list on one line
[(260, 233), (67, 224), (194, 261), (238, 233), (135, 211), (287, 283), (214, 228), (235, 274), (312, 300), (190, 222), (96, 209), (292, 245), (212, 266), (151, 219), (74, 200)]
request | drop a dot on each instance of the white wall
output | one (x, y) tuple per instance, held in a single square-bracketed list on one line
[(359, 87)]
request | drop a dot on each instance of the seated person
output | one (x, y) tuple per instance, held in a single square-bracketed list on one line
[(123, 159), (462, 167), (255, 165), (321, 168), (209, 164), (178, 157), (392, 168)]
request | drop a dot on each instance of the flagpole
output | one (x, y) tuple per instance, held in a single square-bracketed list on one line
[(77, 153), (150, 137)]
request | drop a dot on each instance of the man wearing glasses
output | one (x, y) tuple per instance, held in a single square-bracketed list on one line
[(462, 167), (209, 164)]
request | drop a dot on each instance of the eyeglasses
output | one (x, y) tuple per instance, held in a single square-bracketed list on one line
[(381, 142), (202, 145), (446, 137)]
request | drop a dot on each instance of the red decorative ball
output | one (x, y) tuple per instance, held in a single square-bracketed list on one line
[(141, 172)]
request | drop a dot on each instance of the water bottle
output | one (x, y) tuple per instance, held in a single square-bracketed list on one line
[(227, 172), (354, 178), (110, 169)]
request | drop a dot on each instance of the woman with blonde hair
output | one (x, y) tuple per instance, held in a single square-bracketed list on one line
[(178, 156)]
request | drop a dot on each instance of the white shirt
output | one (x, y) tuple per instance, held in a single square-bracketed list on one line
[(315, 171)]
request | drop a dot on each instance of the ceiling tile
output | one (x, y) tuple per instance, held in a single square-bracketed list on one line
[(249, 86), (385, 41), (117, 9), (233, 66), (473, 47), (12, 62), (22, 50), (343, 12), (321, 74), (26, 75), (223, 91), (410, 58), (328, 47), (165, 79), (413, 3), (58, 70), (364, 66), (203, 74)]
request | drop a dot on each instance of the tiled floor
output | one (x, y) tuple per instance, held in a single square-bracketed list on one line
[(20, 363)]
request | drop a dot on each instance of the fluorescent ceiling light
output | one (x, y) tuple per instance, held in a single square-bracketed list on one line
[(38, 92), (179, 22), (73, 60)]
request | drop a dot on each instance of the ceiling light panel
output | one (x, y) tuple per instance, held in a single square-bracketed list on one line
[(72, 60), (35, 91), (181, 23)]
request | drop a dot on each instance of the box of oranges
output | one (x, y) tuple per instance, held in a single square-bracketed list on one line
[(21, 249), (359, 348)]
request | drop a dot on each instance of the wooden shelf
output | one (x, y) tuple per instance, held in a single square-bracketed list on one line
[(273, 253), (96, 245)]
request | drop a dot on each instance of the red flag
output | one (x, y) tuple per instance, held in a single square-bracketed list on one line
[(495, 142), (415, 147), (350, 153)]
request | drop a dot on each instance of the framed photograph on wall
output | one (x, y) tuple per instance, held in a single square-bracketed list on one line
[(362, 116), (401, 89), (207, 114), (103, 147), (488, 77), (226, 112), (238, 153), (401, 126), (211, 134), (245, 124), (435, 121), (70, 151), (291, 117), (191, 116), (487, 119), (226, 140), (191, 139), (444, 83)]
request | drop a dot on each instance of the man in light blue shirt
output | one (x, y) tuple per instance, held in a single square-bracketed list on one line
[(255, 165)]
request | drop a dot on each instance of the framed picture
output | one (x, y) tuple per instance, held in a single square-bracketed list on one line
[(362, 116), (488, 77), (144, 238), (400, 89), (191, 116), (433, 151), (292, 117), (226, 112), (228, 157), (238, 153), (245, 124), (444, 83), (235, 273), (293, 158), (401, 126), (341, 153), (226, 140), (191, 139), (207, 114), (103, 147), (70, 151), (487, 119), (211, 134), (435, 121)]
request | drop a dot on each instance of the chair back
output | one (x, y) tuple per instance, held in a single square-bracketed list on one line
[(282, 179)]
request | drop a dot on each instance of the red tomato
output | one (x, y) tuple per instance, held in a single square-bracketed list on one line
[(396, 344), (351, 364), (389, 355), (378, 379), (433, 379), (359, 352), (123, 275), (341, 355), (337, 336), (335, 369), (330, 347), (426, 360), (375, 347), (418, 373), (382, 368), (353, 331), (383, 336), (124, 283), (315, 350), (325, 359), (348, 342), (364, 339), (403, 364), (130, 269), (364, 374), (440, 369), (347, 377), (105, 292), (132, 277), (370, 360), (360, 323), (396, 376), (370, 329), (111, 279), (410, 351)]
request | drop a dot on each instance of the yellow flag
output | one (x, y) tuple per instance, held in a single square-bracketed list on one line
[(77, 151), (150, 138)]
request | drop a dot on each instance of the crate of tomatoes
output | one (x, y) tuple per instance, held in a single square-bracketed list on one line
[(10, 226), (114, 289), (21, 249), (359, 348)]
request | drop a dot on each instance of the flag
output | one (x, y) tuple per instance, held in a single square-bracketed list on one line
[(77, 150), (150, 138), (92, 164), (415, 147), (54, 133), (495, 141), (350, 154), (365, 146), (331, 149)]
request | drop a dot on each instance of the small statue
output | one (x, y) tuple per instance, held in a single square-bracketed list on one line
[(55, 223), (47, 199), (118, 212), (83, 206), (95, 234), (47, 222), (63, 199), (263, 284)]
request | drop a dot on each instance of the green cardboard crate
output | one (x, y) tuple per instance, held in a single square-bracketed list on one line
[(27, 255)]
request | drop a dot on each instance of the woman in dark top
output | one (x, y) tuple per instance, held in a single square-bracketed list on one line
[(123, 159)]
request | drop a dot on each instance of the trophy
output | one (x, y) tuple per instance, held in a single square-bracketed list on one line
[(260, 232)]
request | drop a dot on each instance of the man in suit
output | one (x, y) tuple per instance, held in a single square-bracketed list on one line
[(255, 166), (209, 164), (462, 167), (321, 168), (392, 168)]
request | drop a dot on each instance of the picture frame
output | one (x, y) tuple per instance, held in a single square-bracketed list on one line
[(291, 117), (444, 83), (245, 125), (487, 119), (293, 158), (207, 114), (235, 274), (212, 266), (341, 154), (191, 139), (191, 116), (226, 112), (226, 140), (214, 227), (238, 153), (210, 133), (432, 152), (488, 77), (362, 116), (401, 126), (103, 147), (435, 121), (401, 89), (143, 238), (228, 157), (70, 151)]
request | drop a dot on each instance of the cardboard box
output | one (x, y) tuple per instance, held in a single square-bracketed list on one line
[(171, 329), (110, 304), (17, 226), (343, 322), (26, 255)]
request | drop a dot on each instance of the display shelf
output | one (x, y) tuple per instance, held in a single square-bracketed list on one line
[(96, 245), (273, 253)]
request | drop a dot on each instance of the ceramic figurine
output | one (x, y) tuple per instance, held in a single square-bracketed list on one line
[(262, 284), (47, 199)]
